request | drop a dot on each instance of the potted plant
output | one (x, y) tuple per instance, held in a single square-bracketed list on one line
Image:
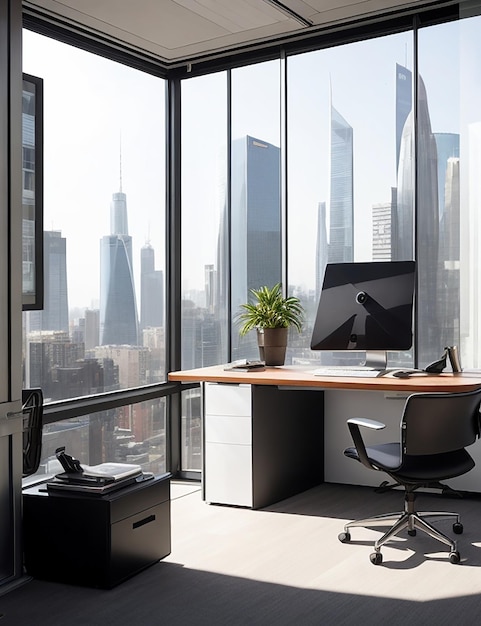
[(271, 314)]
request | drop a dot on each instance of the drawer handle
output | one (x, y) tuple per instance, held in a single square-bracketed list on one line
[(142, 522)]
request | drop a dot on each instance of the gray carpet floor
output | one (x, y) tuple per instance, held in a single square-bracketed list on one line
[(281, 565)]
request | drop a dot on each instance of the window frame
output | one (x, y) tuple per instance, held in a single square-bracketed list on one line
[(392, 22)]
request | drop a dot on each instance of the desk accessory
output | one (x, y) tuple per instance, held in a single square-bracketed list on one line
[(96, 478), (246, 366)]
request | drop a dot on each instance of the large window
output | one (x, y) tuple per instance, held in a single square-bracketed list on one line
[(256, 258), (103, 322), (102, 325), (204, 241), (356, 152), (349, 182), (449, 96)]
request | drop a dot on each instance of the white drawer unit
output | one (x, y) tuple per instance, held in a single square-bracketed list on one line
[(261, 443), (228, 439)]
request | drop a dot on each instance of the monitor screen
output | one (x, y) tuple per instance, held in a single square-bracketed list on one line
[(366, 306)]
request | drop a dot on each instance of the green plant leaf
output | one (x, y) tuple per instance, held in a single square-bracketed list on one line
[(268, 308)]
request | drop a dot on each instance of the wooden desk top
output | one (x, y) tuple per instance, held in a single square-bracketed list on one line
[(301, 376)]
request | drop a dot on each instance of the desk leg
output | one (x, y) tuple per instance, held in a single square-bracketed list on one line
[(287, 442)]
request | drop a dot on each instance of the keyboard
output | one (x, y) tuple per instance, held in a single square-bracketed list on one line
[(339, 371)]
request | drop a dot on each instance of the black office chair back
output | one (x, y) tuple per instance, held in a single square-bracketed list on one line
[(32, 406), (436, 423)]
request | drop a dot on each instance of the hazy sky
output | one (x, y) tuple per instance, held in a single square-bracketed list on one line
[(92, 105)]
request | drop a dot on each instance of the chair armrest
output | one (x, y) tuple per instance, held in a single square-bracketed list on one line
[(368, 423), (353, 424)]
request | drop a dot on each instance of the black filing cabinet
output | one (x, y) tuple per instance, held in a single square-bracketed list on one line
[(96, 541)]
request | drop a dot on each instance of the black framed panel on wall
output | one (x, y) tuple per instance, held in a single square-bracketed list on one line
[(32, 193)]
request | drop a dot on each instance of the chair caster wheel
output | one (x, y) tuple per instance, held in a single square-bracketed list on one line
[(344, 537), (412, 533), (458, 528), (376, 558), (454, 557)]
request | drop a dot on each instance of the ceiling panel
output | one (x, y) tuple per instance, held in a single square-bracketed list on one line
[(179, 31)]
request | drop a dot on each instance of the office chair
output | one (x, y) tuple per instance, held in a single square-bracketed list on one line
[(435, 429), (32, 407)]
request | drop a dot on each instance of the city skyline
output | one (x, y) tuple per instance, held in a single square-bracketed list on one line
[(376, 165)]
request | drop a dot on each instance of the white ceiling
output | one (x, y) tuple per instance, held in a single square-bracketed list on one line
[(180, 31)]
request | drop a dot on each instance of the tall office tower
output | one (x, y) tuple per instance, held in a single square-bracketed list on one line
[(255, 224), (427, 235), (449, 243), (92, 324), (77, 330), (255, 216), (118, 309), (209, 282), (404, 103), (222, 283), (448, 147), (151, 290), (381, 231), (449, 253), (54, 315), (321, 246), (200, 337), (341, 204)]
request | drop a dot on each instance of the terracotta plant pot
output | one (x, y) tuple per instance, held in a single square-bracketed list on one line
[(272, 345)]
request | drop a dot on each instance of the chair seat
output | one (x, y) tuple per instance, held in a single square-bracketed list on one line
[(417, 469)]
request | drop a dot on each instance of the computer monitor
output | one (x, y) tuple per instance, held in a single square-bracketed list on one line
[(366, 306)]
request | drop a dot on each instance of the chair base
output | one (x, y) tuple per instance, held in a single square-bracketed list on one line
[(445, 489), (410, 520)]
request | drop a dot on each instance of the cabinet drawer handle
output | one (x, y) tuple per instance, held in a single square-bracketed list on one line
[(142, 522)]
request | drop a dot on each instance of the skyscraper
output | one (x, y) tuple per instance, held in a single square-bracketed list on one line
[(448, 147), (255, 216), (341, 205), (255, 223), (404, 103), (54, 315), (321, 246), (382, 231), (449, 257), (209, 274), (151, 290), (421, 153), (118, 309)]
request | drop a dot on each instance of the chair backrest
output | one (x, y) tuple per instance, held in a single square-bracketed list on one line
[(436, 423), (32, 400)]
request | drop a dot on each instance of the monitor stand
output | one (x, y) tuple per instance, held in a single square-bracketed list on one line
[(376, 359)]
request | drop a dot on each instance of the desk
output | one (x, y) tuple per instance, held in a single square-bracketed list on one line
[(273, 433)]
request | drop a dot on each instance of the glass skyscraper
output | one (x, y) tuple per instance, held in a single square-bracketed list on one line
[(341, 205), (151, 289), (255, 216), (54, 315), (427, 227), (255, 223), (118, 309)]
